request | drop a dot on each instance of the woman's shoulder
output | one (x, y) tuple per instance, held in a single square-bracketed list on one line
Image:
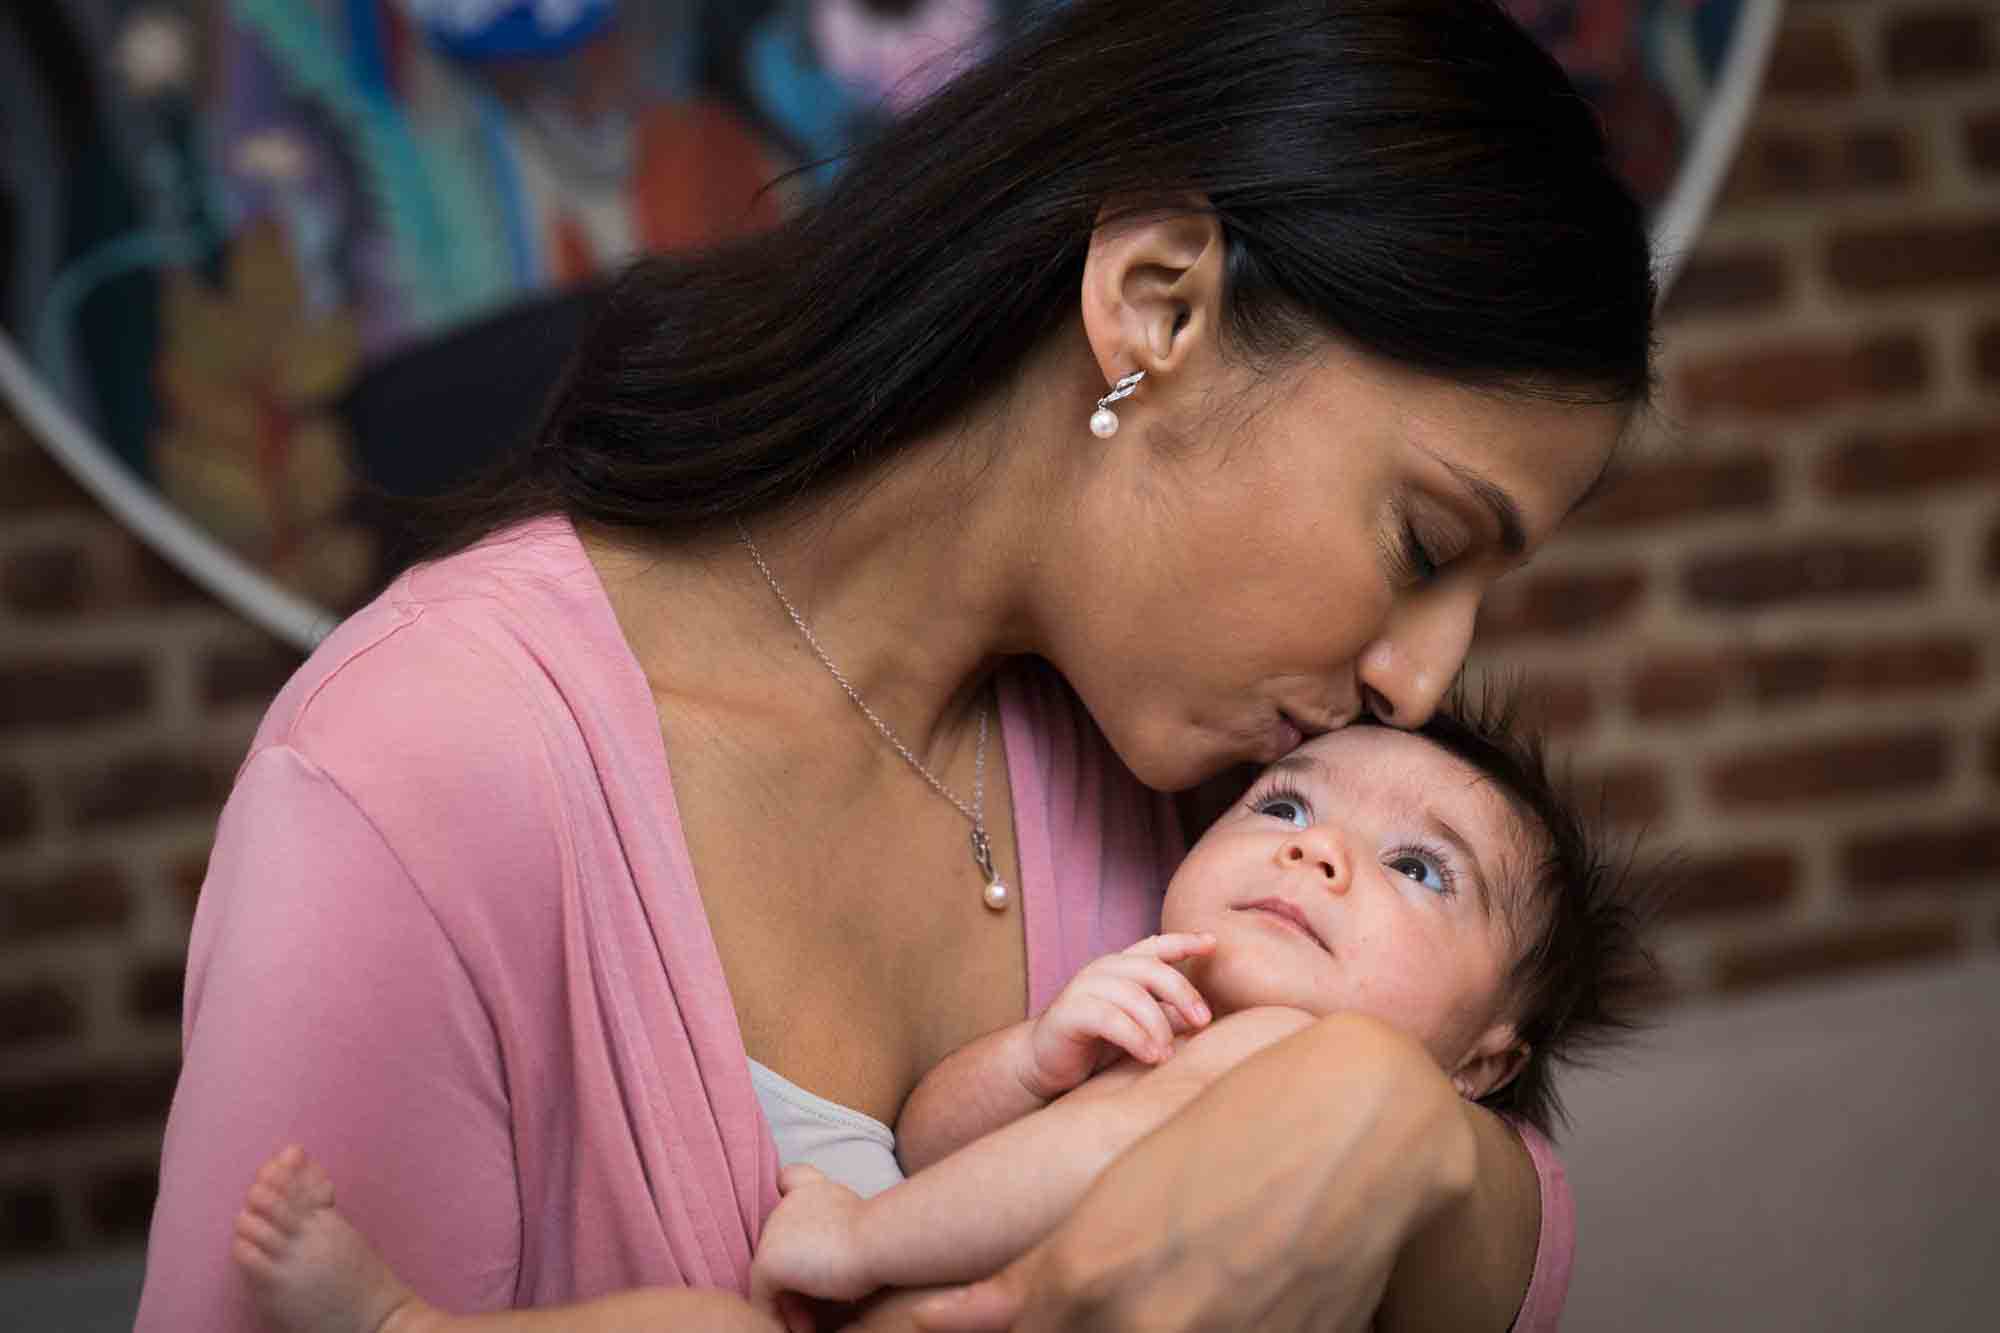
[(454, 682)]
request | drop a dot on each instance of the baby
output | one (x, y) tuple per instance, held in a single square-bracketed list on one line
[(1433, 880)]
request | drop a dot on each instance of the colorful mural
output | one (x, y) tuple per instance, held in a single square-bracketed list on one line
[(284, 258)]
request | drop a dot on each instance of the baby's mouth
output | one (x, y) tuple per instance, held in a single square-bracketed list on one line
[(1289, 913)]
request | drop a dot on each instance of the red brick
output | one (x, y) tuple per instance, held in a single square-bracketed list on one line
[(1662, 492), (1811, 60), (1561, 603), (1836, 951), (38, 1109), (1783, 166), (1754, 880), (63, 578), (186, 876), (80, 899), (1922, 856), (1913, 255), (67, 692), (138, 576), (1679, 685), (1807, 570), (1556, 705), (30, 1221), (48, 579), (1982, 141), (1797, 672), (36, 483), (119, 1202), (246, 674), (38, 1011), (153, 991), (1947, 455), (1629, 795), (1939, 44), (149, 786), (1713, 284), (1788, 378), (17, 808), (1818, 771), (1986, 353)]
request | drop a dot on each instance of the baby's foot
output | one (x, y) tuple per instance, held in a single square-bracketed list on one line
[(309, 1271)]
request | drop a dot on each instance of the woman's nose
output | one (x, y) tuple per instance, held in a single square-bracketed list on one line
[(1406, 671), (1317, 851)]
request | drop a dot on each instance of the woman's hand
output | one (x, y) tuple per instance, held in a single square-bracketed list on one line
[(1277, 1201), (1133, 1001)]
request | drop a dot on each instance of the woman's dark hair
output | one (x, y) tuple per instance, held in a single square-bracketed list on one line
[(1416, 177), (1583, 974)]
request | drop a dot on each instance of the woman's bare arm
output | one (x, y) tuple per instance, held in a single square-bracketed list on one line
[(1281, 1199), (1470, 1267)]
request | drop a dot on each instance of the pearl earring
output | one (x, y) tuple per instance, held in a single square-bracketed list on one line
[(1104, 422)]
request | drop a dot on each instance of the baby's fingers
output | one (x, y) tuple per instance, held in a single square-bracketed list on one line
[(1166, 986), (1113, 1016), (1174, 946)]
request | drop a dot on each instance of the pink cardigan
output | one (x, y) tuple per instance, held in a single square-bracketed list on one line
[(450, 940)]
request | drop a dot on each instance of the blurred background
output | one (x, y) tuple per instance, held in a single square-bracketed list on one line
[(267, 264)]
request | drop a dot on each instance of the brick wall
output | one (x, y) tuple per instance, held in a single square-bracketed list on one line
[(1778, 644)]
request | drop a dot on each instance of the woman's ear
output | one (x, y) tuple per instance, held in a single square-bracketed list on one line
[(1152, 290), (1491, 1064)]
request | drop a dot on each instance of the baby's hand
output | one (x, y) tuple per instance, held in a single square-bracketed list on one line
[(810, 1243), (1133, 1002)]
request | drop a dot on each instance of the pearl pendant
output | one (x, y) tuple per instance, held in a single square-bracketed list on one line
[(995, 896), (1104, 423)]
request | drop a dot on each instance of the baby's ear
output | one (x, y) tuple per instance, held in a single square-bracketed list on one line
[(1491, 1064)]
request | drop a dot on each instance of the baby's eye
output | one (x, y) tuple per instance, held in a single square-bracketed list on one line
[(1288, 808), (1425, 869)]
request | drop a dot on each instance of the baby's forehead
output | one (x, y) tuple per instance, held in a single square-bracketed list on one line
[(1367, 756), (1409, 770)]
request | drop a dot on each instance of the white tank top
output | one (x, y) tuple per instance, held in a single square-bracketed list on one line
[(857, 1150)]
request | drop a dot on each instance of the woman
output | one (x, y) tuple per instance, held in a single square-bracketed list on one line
[(513, 883)]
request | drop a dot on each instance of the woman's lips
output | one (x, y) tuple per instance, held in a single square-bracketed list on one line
[(1286, 736), (1287, 914)]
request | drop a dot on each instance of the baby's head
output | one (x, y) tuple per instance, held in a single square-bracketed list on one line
[(1436, 880)]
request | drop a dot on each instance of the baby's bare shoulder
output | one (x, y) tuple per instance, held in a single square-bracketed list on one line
[(1230, 1040)]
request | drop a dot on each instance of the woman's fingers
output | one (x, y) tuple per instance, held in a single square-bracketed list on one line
[(991, 1306)]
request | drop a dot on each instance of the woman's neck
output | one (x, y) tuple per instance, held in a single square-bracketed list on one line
[(916, 581)]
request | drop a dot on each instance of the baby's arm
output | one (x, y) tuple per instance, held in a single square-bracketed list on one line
[(310, 1271), (970, 1214), (1132, 1002)]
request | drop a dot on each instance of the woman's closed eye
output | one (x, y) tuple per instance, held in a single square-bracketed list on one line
[(1425, 546), (1426, 866)]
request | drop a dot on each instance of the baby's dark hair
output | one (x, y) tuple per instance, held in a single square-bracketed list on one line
[(1583, 972)]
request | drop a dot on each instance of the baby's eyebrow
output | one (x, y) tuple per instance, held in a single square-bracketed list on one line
[(1306, 764), (1444, 830)]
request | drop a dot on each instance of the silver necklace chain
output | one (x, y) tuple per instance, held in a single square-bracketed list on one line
[(982, 846)]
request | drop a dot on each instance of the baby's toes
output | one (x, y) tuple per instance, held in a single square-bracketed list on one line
[(310, 1187), (256, 1232), (264, 1200)]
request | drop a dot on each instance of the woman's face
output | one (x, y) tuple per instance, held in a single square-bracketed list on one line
[(1317, 546)]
